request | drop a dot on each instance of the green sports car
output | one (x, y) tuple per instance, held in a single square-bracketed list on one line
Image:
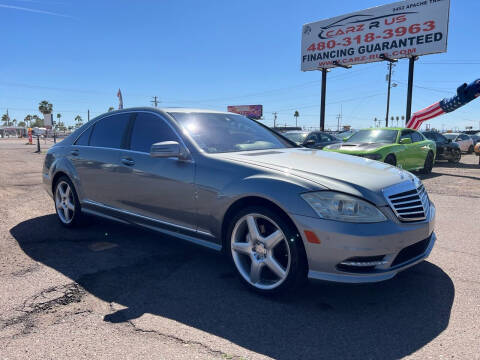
[(405, 148)]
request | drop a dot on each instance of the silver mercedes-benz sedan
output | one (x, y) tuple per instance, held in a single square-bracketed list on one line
[(280, 212)]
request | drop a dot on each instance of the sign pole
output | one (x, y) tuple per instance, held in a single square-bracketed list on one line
[(411, 66), (322, 103)]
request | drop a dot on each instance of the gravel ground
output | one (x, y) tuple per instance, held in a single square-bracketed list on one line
[(112, 291)]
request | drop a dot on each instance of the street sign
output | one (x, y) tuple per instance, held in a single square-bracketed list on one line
[(402, 29)]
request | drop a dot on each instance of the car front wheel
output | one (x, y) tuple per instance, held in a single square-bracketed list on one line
[(456, 156), (266, 250)]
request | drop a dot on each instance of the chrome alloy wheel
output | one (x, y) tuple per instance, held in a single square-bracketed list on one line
[(64, 202), (260, 251)]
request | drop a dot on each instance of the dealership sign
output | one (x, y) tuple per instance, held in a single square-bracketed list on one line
[(398, 30), (250, 111)]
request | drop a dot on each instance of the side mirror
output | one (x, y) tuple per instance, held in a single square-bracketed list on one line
[(310, 142), (167, 149), (345, 139), (405, 141)]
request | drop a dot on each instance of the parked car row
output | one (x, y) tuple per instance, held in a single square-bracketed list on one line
[(401, 147)]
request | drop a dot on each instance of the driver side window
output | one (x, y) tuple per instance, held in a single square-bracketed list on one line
[(406, 134)]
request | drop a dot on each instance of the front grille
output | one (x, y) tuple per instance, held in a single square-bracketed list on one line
[(410, 205), (411, 252)]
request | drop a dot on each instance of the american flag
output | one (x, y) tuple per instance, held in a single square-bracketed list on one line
[(465, 94), (120, 100)]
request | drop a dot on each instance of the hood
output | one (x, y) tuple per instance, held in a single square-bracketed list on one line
[(355, 147), (349, 174)]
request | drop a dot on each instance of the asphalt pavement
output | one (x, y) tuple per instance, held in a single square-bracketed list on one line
[(110, 291)]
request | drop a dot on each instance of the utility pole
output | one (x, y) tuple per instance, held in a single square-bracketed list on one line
[(390, 64), (155, 101), (275, 119), (88, 115), (339, 117)]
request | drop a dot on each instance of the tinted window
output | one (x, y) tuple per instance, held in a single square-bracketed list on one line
[(313, 137), (149, 129), (406, 134), (441, 138), (109, 131), (416, 137), (83, 139), (430, 136)]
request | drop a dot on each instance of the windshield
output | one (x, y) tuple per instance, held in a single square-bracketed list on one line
[(374, 136), (219, 133), (450, 136), (429, 136), (295, 137)]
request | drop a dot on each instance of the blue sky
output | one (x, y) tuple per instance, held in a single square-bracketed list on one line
[(210, 54)]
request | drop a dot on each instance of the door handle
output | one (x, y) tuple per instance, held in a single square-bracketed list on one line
[(74, 152), (128, 162)]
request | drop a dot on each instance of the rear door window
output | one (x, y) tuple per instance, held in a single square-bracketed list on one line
[(84, 138), (406, 134), (416, 137), (110, 131), (149, 129)]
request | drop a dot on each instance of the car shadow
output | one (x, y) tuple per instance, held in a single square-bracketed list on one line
[(446, 164), (163, 276)]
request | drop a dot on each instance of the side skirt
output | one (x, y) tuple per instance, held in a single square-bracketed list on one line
[(127, 217)]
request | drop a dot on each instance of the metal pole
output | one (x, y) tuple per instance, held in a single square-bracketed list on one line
[(322, 105), (388, 92), (411, 65), (38, 143)]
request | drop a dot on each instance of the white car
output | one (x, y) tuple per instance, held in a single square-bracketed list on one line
[(463, 140)]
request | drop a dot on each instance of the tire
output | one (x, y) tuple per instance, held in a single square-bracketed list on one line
[(266, 263), (470, 149), (428, 166), (457, 155), (66, 203), (391, 160)]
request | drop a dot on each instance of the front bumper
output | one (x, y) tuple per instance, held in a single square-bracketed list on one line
[(386, 248)]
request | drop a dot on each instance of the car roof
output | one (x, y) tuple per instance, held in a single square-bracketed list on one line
[(387, 128), (169, 109)]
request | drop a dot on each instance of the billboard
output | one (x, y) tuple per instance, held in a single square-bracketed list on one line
[(47, 120), (250, 111), (398, 30)]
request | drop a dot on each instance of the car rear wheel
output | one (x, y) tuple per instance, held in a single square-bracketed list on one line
[(266, 250), (428, 166), (456, 156), (390, 159), (67, 205)]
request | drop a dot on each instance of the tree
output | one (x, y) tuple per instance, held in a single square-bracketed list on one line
[(111, 108), (296, 114), (79, 121), (6, 120), (45, 107), (22, 124), (14, 122), (58, 118), (37, 122), (28, 119)]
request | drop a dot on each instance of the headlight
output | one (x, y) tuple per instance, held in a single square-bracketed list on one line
[(337, 206), (372, 156)]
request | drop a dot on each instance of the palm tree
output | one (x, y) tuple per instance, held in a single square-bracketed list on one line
[(6, 120), (45, 107), (28, 119), (296, 114), (78, 120), (37, 122), (111, 108), (14, 122), (58, 118)]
